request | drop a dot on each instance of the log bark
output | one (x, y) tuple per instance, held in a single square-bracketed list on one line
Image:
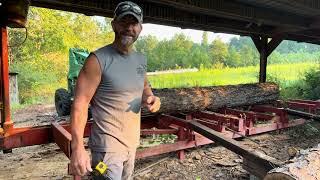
[(215, 97), (305, 165)]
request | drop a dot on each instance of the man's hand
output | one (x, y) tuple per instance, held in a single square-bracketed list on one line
[(80, 162), (153, 103)]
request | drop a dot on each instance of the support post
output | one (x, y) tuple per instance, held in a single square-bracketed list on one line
[(6, 122), (181, 137), (265, 49), (263, 60)]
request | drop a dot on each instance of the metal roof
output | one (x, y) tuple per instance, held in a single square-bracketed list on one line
[(297, 20)]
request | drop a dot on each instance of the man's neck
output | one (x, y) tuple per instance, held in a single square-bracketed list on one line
[(122, 49)]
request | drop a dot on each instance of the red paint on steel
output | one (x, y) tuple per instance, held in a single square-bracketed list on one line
[(306, 101), (219, 121), (309, 107), (166, 120), (181, 154), (5, 110), (28, 136), (275, 126), (274, 110), (166, 148), (182, 136), (247, 114), (20, 137), (62, 138)]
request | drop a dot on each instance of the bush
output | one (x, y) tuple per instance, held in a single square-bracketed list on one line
[(306, 88), (311, 86)]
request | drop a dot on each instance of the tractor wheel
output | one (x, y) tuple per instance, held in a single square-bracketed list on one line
[(63, 102), (89, 113)]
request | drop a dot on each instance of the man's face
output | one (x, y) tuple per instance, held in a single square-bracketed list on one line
[(127, 30)]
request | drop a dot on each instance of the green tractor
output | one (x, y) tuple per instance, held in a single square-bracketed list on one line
[(63, 97)]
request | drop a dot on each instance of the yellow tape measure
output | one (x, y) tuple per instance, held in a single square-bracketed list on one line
[(101, 168)]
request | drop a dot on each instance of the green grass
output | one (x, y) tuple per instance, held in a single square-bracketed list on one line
[(284, 74)]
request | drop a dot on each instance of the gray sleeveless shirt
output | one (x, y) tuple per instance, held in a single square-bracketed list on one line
[(117, 101)]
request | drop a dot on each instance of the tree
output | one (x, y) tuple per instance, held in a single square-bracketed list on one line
[(233, 58), (249, 56), (199, 57), (146, 44), (42, 61), (204, 41), (218, 51)]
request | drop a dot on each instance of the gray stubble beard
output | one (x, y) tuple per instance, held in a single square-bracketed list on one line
[(127, 40)]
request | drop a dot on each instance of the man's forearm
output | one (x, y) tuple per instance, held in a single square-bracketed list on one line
[(147, 91), (78, 123)]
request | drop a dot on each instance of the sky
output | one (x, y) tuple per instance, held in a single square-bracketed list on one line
[(167, 32)]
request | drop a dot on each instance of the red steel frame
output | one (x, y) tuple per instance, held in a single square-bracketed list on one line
[(307, 105), (6, 123), (233, 123)]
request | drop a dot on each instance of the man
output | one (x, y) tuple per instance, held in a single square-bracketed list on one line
[(113, 80)]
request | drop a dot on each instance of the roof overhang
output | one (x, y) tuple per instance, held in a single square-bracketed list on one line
[(299, 21)]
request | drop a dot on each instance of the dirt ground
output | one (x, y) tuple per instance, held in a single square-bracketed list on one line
[(206, 162)]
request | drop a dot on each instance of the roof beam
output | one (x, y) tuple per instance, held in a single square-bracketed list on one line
[(273, 44), (218, 16), (238, 11), (302, 7), (261, 43), (220, 8), (161, 14)]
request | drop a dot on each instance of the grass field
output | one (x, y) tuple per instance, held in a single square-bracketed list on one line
[(284, 74)]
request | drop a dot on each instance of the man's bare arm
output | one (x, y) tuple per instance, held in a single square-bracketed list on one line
[(146, 90), (87, 83), (149, 100)]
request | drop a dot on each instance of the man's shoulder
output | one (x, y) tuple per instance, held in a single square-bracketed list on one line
[(106, 48)]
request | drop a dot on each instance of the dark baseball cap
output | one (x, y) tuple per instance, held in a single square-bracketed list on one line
[(128, 8)]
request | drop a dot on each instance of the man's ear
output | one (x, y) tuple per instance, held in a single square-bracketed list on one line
[(141, 26)]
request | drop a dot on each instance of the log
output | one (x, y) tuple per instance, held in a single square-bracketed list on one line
[(305, 165), (215, 97)]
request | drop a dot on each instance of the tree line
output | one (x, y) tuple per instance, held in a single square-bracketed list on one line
[(181, 52), (42, 60)]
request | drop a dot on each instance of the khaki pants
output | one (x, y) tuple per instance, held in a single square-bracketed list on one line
[(120, 164)]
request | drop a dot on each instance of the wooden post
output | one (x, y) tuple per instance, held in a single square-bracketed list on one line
[(263, 60), (265, 49)]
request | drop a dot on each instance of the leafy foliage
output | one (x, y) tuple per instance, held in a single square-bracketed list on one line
[(42, 61)]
